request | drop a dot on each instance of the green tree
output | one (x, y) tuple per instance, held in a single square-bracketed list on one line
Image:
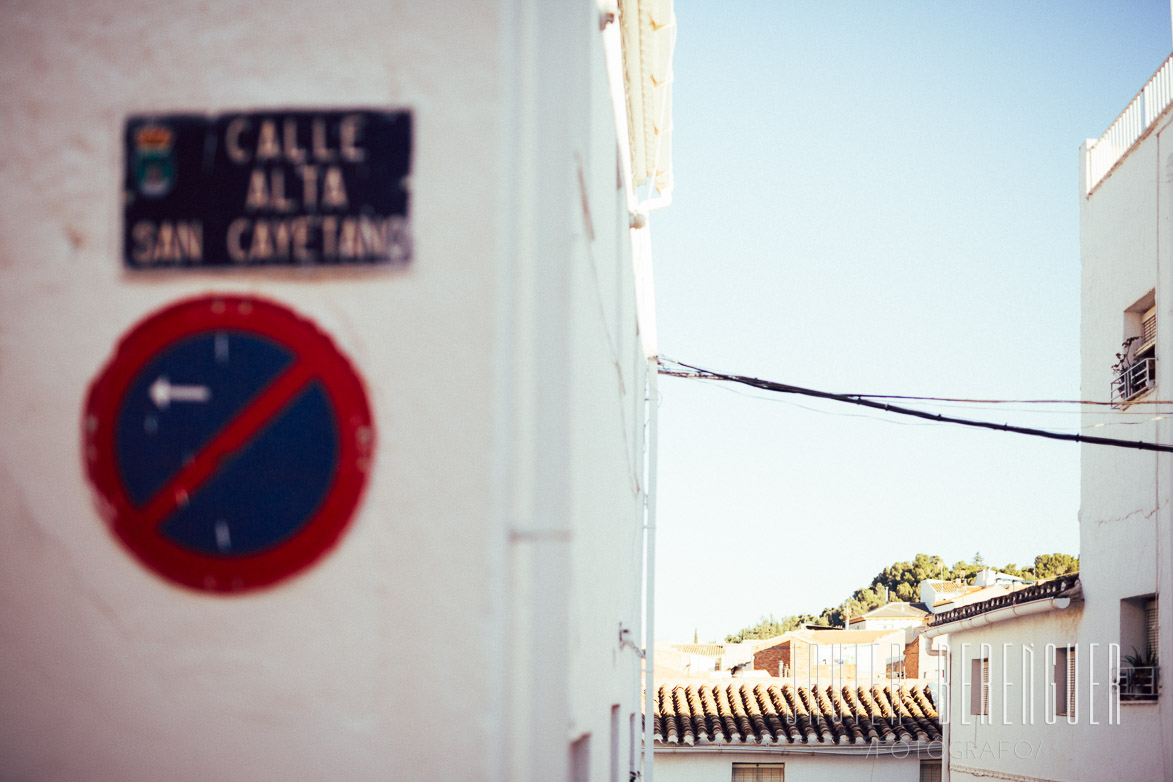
[(1049, 565), (962, 570)]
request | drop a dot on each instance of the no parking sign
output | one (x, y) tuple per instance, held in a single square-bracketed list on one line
[(229, 442)]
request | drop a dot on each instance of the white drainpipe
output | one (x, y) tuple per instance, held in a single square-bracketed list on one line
[(649, 628)]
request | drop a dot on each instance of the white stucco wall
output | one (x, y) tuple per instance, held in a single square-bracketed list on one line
[(1035, 743), (703, 766), (500, 528)]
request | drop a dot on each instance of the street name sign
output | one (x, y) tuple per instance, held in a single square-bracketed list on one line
[(273, 188)]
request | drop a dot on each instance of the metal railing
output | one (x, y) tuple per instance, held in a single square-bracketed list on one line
[(1138, 683), (1134, 380), (1132, 123)]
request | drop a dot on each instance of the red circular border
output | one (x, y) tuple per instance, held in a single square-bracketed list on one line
[(355, 441)]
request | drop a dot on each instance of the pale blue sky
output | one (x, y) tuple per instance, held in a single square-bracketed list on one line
[(873, 198)]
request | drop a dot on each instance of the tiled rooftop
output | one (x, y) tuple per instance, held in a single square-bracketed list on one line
[(975, 594), (704, 650), (948, 587), (1057, 587), (726, 713)]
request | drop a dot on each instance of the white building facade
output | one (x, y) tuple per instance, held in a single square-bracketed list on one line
[(505, 365)]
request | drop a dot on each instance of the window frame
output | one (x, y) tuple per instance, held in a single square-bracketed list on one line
[(755, 776), (1064, 675), (979, 687), (1139, 638), (930, 771)]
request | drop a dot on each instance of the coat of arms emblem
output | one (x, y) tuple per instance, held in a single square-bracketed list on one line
[(154, 160)]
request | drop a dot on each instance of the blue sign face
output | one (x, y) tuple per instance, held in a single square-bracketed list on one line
[(261, 495), (229, 441)]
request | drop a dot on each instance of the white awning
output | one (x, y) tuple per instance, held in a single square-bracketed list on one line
[(649, 37)]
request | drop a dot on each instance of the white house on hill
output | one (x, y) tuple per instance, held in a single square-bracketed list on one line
[(892, 616)]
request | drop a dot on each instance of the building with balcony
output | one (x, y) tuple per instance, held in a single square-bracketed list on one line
[(1063, 679), (1126, 517)]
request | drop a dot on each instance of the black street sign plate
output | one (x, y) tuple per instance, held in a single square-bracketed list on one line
[(267, 188)]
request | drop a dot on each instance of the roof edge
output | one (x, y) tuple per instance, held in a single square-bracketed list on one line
[(921, 749), (1056, 594)]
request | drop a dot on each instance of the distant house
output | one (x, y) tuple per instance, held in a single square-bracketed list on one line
[(701, 657), (801, 653), (939, 596), (933, 591), (891, 617), (771, 730), (990, 577)]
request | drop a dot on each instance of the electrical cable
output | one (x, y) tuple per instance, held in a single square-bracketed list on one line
[(858, 399), (1007, 401)]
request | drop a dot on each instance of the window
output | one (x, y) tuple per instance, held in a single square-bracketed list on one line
[(758, 772), (631, 746), (580, 759), (615, 743), (1064, 677), (1151, 627), (1134, 372), (1139, 651), (930, 771), (1148, 331), (979, 686)]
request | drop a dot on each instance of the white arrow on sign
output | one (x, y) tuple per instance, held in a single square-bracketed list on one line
[(162, 393)]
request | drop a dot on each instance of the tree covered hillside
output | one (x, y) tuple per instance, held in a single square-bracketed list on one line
[(903, 582)]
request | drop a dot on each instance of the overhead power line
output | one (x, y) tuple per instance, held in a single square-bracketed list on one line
[(864, 401), (1006, 401)]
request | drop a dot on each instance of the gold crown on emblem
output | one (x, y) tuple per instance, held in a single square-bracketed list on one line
[(153, 137)]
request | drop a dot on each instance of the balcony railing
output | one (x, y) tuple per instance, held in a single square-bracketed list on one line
[(1138, 683), (1138, 117), (1134, 380)]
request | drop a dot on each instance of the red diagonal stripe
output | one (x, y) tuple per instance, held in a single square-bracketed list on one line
[(247, 423)]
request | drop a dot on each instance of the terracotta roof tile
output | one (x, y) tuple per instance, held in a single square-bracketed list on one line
[(702, 650), (692, 714)]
